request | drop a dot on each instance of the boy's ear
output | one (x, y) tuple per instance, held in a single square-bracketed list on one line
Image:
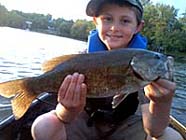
[(140, 26), (95, 20)]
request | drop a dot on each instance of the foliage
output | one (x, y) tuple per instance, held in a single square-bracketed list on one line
[(3, 15), (163, 28), (81, 29)]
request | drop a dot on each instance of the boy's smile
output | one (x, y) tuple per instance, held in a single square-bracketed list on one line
[(116, 25), (113, 37)]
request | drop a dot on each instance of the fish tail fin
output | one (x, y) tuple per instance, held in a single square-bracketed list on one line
[(22, 97), (21, 103), (11, 88)]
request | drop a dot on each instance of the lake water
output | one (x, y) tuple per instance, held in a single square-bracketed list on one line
[(22, 53)]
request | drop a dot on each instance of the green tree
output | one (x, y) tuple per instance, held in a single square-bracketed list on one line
[(182, 20), (15, 20), (3, 15), (161, 21), (80, 29), (65, 28)]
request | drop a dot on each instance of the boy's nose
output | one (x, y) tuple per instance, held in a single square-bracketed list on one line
[(115, 26)]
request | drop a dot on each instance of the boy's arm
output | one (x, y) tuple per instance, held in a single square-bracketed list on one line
[(156, 113), (72, 99), (47, 127)]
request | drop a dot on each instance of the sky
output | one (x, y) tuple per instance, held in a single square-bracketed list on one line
[(68, 9)]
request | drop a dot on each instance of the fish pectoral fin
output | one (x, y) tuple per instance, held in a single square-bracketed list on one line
[(52, 63), (21, 103), (117, 99)]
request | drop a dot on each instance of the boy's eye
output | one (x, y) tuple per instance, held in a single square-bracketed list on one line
[(124, 21), (106, 19)]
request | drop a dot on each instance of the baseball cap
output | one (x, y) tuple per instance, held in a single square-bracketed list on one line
[(94, 6)]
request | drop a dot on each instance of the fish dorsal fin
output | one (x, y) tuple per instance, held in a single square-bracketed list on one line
[(52, 63)]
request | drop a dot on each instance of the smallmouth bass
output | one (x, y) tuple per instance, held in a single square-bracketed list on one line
[(107, 73)]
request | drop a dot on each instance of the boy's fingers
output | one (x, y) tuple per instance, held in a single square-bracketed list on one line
[(83, 93), (152, 91), (77, 90), (70, 91), (165, 84), (64, 86)]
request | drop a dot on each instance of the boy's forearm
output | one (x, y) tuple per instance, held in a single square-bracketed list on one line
[(47, 127), (155, 118)]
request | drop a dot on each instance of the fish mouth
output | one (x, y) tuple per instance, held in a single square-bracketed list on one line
[(137, 72)]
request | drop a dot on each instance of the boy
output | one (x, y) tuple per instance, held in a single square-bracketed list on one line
[(118, 23)]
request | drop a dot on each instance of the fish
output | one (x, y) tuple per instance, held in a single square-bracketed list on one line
[(107, 74)]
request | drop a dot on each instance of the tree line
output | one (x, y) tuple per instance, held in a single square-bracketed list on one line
[(165, 30)]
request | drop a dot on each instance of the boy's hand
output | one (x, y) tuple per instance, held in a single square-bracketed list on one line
[(160, 91), (71, 97), (156, 113)]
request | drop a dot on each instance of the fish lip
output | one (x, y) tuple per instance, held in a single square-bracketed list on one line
[(170, 68)]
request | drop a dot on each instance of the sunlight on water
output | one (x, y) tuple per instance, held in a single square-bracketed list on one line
[(28, 44), (23, 52)]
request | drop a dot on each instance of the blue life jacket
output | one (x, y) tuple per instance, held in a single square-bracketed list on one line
[(95, 44)]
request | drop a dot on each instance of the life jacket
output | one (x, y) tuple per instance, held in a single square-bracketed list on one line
[(102, 109)]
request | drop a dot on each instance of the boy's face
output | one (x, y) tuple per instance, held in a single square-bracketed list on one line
[(116, 25)]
